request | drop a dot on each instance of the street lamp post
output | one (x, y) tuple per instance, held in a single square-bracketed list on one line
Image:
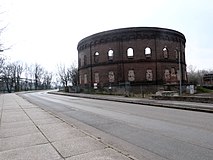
[(180, 75)]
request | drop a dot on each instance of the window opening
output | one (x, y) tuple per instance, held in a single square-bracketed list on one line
[(173, 75), (110, 54), (131, 75), (111, 77), (130, 52), (167, 75), (148, 52), (97, 77), (149, 75), (96, 55), (165, 52)]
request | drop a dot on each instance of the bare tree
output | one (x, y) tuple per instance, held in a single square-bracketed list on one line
[(8, 77), (64, 76), (47, 78), (37, 72), (192, 75), (196, 76), (2, 63), (11, 76), (73, 72), (17, 71)]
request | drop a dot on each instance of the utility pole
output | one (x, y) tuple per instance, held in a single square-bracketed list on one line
[(180, 74)]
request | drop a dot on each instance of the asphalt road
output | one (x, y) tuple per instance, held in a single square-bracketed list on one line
[(139, 130)]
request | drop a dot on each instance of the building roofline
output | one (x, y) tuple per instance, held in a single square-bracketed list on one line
[(126, 33)]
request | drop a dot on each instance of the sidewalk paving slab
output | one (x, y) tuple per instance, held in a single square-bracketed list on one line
[(105, 154), (22, 141), (55, 134), (16, 124), (46, 121), (37, 152), (77, 146), (12, 132), (63, 134), (19, 117), (54, 126)]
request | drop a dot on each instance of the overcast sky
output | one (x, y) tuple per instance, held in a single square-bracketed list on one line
[(48, 31)]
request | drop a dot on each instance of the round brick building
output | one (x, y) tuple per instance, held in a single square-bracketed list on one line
[(149, 57)]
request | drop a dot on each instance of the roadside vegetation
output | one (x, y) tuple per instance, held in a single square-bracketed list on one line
[(195, 77), (201, 89)]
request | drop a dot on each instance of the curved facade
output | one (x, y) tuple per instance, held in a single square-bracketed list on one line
[(136, 56)]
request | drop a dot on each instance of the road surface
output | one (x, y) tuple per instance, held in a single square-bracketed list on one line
[(144, 132)]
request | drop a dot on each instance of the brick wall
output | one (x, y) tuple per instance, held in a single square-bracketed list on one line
[(165, 44)]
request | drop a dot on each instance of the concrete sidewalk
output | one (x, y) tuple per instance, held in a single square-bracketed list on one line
[(27, 132)]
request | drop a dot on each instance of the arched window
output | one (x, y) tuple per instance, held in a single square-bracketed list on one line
[(167, 75), (96, 55), (148, 52), (96, 77), (165, 52), (130, 52), (131, 75), (173, 75), (110, 54), (111, 77), (149, 75)]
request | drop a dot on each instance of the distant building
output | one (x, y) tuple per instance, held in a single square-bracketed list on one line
[(140, 56), (208, 79)]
